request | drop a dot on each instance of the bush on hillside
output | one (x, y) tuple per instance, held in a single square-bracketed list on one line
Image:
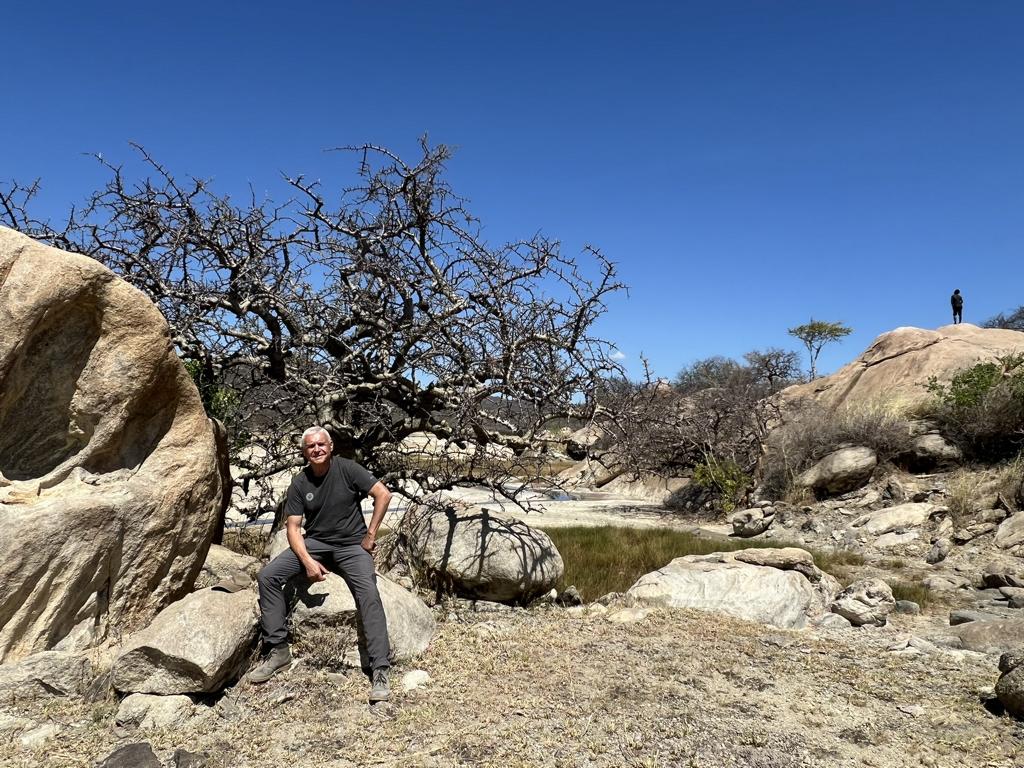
[(815, 431), (982, 408)]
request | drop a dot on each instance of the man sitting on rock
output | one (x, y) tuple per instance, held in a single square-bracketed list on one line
[(327, 493)]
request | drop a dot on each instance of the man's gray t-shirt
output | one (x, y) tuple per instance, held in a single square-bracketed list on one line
[(330, 503)]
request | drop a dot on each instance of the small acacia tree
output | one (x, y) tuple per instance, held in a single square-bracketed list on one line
[(378, 311), (815, 335)]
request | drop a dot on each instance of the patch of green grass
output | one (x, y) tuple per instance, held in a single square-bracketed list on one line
[(611, 558), (914, 591)]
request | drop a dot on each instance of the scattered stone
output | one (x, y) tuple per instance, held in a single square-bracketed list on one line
[(833, 621), (37, 737), (629, 615), (184, 759), (939, 551), (908, 608), (138, 755), (931, 451), (751, 522), (867, 601), (147, 711), (1010, 532), (570, 596), (1010, 687), (416, 678), (972, 531), (946, 582), (998, 574), (223, 564), (894, 518), (1014, 596)]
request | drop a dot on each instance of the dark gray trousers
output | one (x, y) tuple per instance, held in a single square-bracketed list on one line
[(355, 565)]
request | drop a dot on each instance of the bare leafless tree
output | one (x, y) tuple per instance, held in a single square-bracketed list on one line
[(378, 312)]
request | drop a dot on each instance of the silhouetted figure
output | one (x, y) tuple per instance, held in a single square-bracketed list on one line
[(958, 306)]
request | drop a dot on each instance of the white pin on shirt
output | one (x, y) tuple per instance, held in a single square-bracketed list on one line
[(309, 497)]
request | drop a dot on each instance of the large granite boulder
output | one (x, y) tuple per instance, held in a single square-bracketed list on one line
[(109, 483), (1010, 532), (840, 471), (478, 554), (897, 365), (193, 646), (411, 624), (781, 587)]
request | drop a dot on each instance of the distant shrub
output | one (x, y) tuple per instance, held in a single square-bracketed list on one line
[(725, 479), (914, 591), (982, 408), (815, 431)]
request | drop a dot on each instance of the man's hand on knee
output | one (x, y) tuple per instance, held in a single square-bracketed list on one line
[(315, 571)]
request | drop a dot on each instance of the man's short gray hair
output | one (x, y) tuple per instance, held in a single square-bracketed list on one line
[(312, 431)]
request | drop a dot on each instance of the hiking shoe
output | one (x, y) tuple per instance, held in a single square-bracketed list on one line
[(280, 656), (381, 690)]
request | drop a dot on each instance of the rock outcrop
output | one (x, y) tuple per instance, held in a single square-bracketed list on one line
[(109, 482), (897, 365), (781, 587)]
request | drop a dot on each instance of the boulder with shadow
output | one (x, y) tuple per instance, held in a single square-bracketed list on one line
[(477, 554)]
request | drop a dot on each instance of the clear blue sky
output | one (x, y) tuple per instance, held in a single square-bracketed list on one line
[(746, 164)]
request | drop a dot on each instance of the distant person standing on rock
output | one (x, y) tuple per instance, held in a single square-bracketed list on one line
[(327, 493), (958, 306)]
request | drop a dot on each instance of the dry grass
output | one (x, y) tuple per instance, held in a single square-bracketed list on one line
[(962, 492), (248, 540), (913, 590), (540, 688)]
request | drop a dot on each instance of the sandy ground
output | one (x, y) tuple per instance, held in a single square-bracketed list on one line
[(546, 687)]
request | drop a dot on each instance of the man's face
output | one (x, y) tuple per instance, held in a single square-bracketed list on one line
[(317, 449)]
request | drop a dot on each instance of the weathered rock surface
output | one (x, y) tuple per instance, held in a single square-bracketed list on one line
[(45, 674), (991, 636), (931, 451), (139, 755), (223, 564), (104, 447), (1002, 573), (897, 365), (868, 601), (1010, 532), (782, 587), (411, 624), (146, 711), (894, 518), (751, 522), (1010, 687), (193, 646), (841, 471), (480, 554)]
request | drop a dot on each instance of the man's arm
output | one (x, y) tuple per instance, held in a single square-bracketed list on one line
[(381, 498), (314, 570)]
